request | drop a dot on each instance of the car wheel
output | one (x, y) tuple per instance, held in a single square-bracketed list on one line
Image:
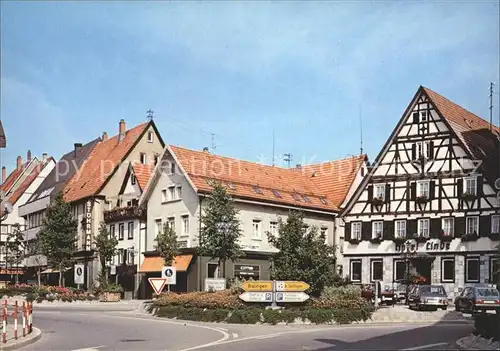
[(457, 307)]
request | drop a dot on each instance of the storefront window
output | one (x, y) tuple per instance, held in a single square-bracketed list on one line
[(355, 272), (472, 270), (399, 270), (377, 271)]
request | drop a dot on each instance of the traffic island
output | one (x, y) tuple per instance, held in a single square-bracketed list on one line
[(13, 344)]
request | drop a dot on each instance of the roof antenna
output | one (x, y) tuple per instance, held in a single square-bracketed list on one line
[(287, 158), (361, 129), (150, 114), (213, 143), (491, 104), (273, 146)]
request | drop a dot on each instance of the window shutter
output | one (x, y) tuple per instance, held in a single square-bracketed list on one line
[(366, 231), (411, 229), (415, 117), (414, 151), (435, 228), (413, 191), (347, 232), (459, 226), (460, 187), (480, 186), (484, 226), (432, 189), (388, 230), (370, 192), (431, 150), (387, 193)]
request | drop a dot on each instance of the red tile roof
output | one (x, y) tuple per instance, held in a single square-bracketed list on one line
[(28, 180), (142, 174), (242, 179), (12, 177), (335, 178), (100, 164)]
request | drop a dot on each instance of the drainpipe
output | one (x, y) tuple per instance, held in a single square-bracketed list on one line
[(200, 281)]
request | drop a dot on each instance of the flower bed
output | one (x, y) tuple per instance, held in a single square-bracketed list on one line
[(47, 293)]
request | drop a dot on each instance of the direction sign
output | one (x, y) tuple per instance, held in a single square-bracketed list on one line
[(170, 274), (291, 296), (79, 277), (257, 285), (260, 296), (158, 284), (289, 285)]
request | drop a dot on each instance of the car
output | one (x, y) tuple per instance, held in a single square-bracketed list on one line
[(430, 297), (386, 294), (478, 299)]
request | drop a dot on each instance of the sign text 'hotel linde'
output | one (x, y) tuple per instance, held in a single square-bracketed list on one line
[(428, 246)]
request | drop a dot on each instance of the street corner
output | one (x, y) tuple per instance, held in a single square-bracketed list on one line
[(13, 344), (476, 342)]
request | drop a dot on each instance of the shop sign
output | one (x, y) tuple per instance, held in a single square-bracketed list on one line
[(88, 224), (246, 270), (410, 247)]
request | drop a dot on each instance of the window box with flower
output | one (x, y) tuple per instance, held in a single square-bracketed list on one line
[(420, 238), (377, 201), (399, 240), (469, 237), (468, 196), (445, 236), (377, 238), (494, 236), (354, 241), (421, 199)]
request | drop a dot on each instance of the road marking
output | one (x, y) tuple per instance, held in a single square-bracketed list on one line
[(235, 335), (95, 348), (428, 346)]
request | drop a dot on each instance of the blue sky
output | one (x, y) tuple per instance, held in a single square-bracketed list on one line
[(238, 69)]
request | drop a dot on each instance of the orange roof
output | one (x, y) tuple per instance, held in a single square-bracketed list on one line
[(156, 263), (100, 164), (335, 178), (28, 180), (142, 174), (13, 176), (277, 185)]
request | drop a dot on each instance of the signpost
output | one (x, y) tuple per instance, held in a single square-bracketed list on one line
[(257, 285), (297, 296), (79, 276), (169, 273), (291, 286), (249, 296), (274, 291), (158, 284), (215, 284)]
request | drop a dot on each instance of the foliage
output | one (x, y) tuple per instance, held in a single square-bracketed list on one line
[(15, 248), (105, 245), (220, 227), (167, 244), (33, 249), (303, 254), (46, 292), (108, 287), (217, 299), (58, 235), (344, 297)]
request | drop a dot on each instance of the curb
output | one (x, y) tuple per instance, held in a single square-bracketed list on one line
[(460, 342), (37, 334)]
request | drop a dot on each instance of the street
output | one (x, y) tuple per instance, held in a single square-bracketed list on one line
[(73, 329)]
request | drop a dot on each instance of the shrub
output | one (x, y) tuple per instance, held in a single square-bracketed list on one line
[(211, 300), (245, 316)]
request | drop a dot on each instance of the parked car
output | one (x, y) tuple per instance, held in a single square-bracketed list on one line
[(386, 294), (401, 289), (478, 299), (429, 297)]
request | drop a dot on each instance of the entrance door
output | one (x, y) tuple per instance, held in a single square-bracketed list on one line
[(424, 269)]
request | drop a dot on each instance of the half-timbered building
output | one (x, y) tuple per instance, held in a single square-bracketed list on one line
[(428, 209)]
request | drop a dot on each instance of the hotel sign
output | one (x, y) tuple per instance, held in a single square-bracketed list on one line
[(88, 225), (410, 246)]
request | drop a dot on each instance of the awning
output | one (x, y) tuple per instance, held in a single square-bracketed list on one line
[(154, 264), (50, 270)]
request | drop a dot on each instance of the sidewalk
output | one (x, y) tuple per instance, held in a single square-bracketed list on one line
[(402, 314), (474, 342), (21, 341)]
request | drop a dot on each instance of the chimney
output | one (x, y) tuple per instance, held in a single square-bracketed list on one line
[(28, 155), (4, 174), (298, 166), (44, 157), (19, 162), (104, 136), (77, 147), (121, 130), (205, 149)]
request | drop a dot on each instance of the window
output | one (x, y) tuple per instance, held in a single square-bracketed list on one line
[(156, 158), (494, 270), (356, 230), (296, 196), (400, 270), (306, 198), (423, 116), (230, 185), (470, 185), (112, 230), (447, 270), (143, 158), (120, 256), (132, 179), (472, 270), (121, 231), (150, 137), (256, 229), (131, 257), (355, 271), (420, 149), (377, 270), (257, 189), (185, 225), (164, 195), (212, 270), (179, 192), (495, 224), (323, 200), (400, 228), (158, 226), (380, 191), (423, 227), (171, 193), (448, 226), (377, 229), (472, 225), (429, 150), (423, 189), (171, 223), (273, 228), (130, 233), (172, 168), (277, 194)]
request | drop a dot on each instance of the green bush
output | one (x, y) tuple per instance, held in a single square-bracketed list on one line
[(245, 316)]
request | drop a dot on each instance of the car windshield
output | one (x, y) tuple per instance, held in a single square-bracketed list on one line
[(432, 289), (487, 292)]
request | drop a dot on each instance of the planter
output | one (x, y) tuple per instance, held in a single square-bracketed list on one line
[(421, 239), (124, 213), (446, 238), (354, 241), (110, 296), (421, 199), (376, 240), (469, 237), (399, 241), (494, 236)]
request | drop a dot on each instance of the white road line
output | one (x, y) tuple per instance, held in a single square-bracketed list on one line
[(421, 347), (95, 348), (235, 335)]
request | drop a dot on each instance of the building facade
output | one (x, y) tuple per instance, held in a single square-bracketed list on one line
[(428, 209)]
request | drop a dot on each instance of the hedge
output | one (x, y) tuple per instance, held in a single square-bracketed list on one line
[(253, 315), (46, 292)]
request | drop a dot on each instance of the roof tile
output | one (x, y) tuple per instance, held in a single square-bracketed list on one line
[(142, 173)]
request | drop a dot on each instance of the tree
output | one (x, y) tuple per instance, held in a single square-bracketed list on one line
[(167, 244), (220, 228), (58, 235), (105, 245), (303, 254), (15, 248)]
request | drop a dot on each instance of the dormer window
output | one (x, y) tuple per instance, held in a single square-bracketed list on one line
[(257, 189), (277, 193), (323, 200), (296, 196), (306, 198)]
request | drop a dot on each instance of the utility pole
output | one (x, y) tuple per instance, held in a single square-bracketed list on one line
[(287, 158), (150, 115), (361, 129), (273, 147), (491, 104)]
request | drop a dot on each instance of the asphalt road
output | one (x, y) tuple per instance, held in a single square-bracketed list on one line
[(71, 330)]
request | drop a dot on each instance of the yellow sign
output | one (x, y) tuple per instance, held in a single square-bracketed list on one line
[(291, 286), (257, 285)]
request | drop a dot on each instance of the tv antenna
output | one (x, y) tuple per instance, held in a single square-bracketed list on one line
[(213, 143), (491, 104), (287, 158), (361, 130), (150, 114)]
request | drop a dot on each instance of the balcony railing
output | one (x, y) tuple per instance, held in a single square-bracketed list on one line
[(124, 213)]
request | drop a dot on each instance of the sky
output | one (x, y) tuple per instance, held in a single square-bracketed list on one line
[(233, 73)]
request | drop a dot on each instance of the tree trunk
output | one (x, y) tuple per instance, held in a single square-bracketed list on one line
[(223, 268), (38, 276)]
